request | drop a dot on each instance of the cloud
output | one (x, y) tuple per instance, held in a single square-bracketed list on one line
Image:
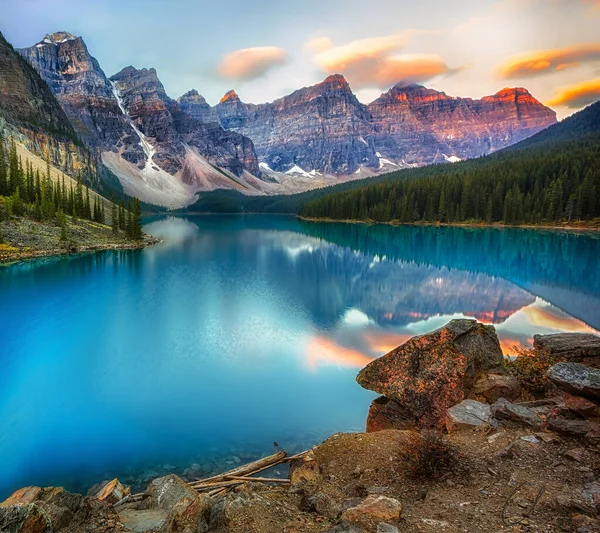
[(539, 62), (251, 63), (578, 95), (377, 63), (319, 44)]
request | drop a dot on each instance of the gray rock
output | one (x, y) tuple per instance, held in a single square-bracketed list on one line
[(467, 415), (165, 492), (505, 410), (572, 347), (574, 428), (141, 521), (386, 528), (576, 379)]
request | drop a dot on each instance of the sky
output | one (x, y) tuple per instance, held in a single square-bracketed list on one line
[(265, 49)]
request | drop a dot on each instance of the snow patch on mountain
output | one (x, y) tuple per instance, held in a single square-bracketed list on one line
[(297, 170), (452, 159)]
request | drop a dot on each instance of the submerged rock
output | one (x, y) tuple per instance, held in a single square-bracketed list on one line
[(576, 379), (23, 519), (467, 415), (431, 373), (572, 347)]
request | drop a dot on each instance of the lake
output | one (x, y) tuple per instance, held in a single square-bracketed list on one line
[(236, 332)]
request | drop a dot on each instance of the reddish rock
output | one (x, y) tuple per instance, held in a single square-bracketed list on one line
[(581, 406), (22, 496), (431, 373), (113, 492), (421, 125), (575, 428), (188, 515), (385, 413), (374, 509)]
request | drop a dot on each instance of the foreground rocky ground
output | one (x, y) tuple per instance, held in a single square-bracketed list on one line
[(23, 238), (461, 441)]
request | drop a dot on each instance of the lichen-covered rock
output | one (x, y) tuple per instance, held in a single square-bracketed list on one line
[(431, 373), (571, 347), (491, 387), (505, 410), (467, 415), (386, 413), (165, 492), (23, 519), (576, 379), (374, 509), (23, 496)]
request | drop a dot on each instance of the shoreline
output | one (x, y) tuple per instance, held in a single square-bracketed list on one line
[(8, 258), (483, 225)]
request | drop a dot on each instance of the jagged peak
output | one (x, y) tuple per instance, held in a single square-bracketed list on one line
[(406, 85), (230, 96), (58, 37), (336, 80)]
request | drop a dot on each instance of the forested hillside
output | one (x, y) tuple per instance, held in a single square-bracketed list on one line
[(552, 177)]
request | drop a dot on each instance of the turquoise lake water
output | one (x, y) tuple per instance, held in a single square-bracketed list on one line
[(236, 332)]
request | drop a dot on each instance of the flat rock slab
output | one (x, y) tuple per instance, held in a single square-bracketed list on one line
[(505, 410), (572, 347), (576, 379), (467, 415), (142, 521)]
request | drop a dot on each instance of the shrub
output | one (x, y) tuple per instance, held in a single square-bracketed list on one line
[(530, 367), (431, 456)]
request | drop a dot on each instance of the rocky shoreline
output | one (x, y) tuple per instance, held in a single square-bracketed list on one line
[(463, 439), (27, 239)]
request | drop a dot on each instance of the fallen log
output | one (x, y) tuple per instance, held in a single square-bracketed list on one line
[(260, 479), (245, 470)]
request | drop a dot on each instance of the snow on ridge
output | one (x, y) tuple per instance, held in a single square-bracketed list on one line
[(265, 167), (452, 158), (297, 170)]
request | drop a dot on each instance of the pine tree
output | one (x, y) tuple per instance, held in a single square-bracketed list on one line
[(3, 170), (136, 229), (114, 217)]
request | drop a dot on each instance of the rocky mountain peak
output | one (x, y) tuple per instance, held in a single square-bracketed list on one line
[(59, 37), (230, 97), (335, 81), (194, 105)]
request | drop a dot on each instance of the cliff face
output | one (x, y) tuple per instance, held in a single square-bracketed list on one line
[(176, 127), (161, 151), (322, 128), (82, 89), (327, 129), (422, 126), (30, 112)]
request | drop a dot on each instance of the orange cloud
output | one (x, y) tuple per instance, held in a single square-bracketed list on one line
[(540, 62), (578, 95), (319, 44), (551, 318), (376, 62), (326, 352), (251, 63)]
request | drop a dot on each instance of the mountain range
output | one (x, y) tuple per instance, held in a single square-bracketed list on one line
[(164, 150)]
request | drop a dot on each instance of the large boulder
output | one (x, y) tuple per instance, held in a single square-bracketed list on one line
[(576, 379), (468, 414), (432, 372), (571, 347)]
